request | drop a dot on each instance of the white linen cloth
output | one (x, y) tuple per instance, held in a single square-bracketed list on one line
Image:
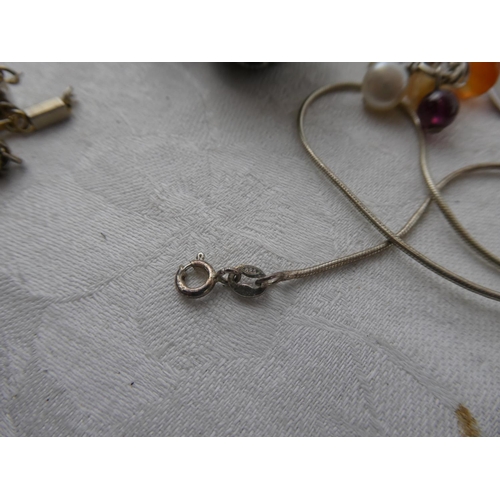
[(162, 161)]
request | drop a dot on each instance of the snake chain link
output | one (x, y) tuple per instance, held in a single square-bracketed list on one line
[(392, 238)]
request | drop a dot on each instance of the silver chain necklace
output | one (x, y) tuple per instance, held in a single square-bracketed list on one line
[(257, 282)]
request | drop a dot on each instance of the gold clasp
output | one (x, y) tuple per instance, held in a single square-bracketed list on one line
[(51, 111), (36, 117)]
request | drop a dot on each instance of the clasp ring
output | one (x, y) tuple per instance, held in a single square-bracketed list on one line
[(199, 291)]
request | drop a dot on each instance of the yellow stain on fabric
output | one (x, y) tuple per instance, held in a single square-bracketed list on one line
[(466, 422)]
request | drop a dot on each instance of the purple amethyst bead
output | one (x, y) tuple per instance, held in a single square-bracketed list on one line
[(437, 110)]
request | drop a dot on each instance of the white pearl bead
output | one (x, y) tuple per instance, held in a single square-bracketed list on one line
[(384, 85)]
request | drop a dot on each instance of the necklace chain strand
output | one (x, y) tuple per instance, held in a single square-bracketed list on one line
[(263, 282), (394, 239)]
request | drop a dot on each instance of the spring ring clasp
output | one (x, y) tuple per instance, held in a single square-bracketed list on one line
[(199, 291), (229, 276)]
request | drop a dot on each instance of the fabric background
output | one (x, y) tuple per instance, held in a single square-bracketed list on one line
[(162, 161)]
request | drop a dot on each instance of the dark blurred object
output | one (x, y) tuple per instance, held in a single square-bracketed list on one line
[(6, 156), (254, 65)]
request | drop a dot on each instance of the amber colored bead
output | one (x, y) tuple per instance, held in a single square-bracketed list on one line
[(419, 86), (482, 76)]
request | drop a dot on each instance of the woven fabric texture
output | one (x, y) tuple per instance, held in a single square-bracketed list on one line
[(162, 161)]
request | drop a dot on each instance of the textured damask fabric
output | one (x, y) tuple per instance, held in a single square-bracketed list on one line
[(162, 161)]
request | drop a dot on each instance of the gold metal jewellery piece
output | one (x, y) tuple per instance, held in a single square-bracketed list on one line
[(18, 121)]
